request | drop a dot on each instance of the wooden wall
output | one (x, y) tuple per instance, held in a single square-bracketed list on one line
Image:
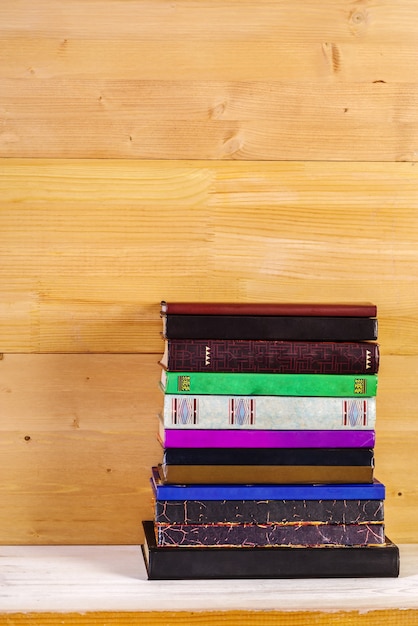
[(209, 150)]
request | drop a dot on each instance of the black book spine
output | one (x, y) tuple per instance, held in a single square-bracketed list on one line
[(269, 456), (293, 328)]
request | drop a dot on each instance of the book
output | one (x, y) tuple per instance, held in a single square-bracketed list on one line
[(269, 456), (352, 309), (204, 438), (265, 511), (268, 412), (253, 384), (269, 356), (267, 474), (349, 491), (290, 328), (186, 563), (266, 465), (270, 534)]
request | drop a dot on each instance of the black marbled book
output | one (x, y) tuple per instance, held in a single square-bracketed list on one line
[(251, 535), (264, 511)]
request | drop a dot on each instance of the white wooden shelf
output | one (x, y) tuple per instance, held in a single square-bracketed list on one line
[(113, 578)]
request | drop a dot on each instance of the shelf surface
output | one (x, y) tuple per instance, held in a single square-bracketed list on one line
[(113, 578)]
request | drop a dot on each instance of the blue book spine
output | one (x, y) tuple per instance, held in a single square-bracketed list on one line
[(368, 491)]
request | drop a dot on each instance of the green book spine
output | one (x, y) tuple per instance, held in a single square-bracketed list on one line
[(340, 385)]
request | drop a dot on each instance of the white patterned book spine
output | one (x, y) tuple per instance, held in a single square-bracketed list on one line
[(268, 412)]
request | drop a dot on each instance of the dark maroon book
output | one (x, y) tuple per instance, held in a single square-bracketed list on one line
[(264, 356), (354, 309)]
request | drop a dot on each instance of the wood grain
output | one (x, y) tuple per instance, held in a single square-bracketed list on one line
[(77, 444), (224, 80), (126, 19), (359, 123), (214, 618), (114, 64), (89, 248)]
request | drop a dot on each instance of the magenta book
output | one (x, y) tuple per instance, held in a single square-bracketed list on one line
[(171, 438)]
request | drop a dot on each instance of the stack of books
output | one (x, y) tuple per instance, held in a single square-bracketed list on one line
[(268, 431)]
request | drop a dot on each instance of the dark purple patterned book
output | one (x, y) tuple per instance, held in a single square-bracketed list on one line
[(251, 535), (264, 356), (263, 511)]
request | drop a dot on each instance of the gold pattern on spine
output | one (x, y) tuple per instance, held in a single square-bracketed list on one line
[(183, 383), (360, 386)]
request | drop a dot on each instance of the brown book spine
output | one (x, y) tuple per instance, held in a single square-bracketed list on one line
[(264, 474)]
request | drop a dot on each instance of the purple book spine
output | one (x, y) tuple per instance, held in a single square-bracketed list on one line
[(268, 439)]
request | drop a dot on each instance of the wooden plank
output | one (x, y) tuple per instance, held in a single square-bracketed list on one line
[(198, 80), (383, 22), (143, 64), (210, 106), (215, 618), (359, 123), (89, 248), (78, 439)]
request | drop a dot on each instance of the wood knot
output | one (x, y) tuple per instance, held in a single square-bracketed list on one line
[(333, 55), (218, 111), (358, 21), (232, 145), (357, 17)]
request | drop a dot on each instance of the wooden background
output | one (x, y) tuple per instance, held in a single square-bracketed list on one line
[(208, 150)]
